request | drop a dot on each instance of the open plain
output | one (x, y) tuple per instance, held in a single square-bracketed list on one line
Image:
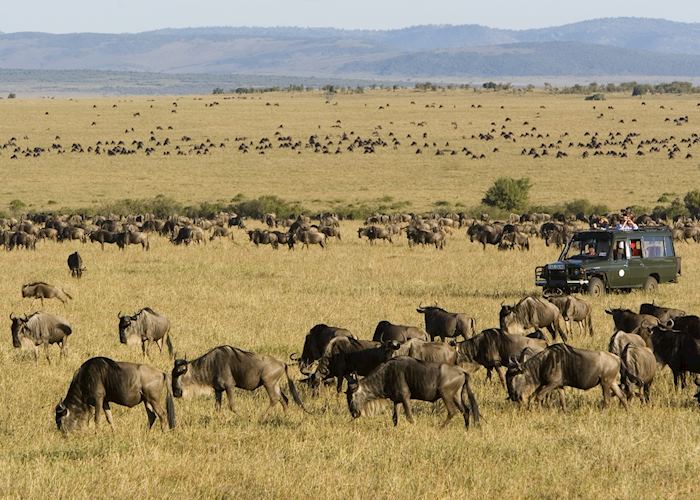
[(263, 300)]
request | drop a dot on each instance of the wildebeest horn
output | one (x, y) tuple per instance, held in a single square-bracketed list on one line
[(11, 316), (120, 315), (294, 356), (669, 324)]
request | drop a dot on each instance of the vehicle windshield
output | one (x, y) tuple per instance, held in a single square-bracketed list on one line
[(587, 246)]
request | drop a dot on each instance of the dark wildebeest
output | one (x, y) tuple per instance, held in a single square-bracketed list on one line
[(440, 323), (514, 239), (103, 236), (148, 326), (679, 350), (388, 331), (417, 236), (663, 313), (189, 234), (532, 312), (402, 379), (574, 309), (559, 366), (40, 329), (345, 355), (21, 239), (331, 232), (434, 352), (75, 264), (263, 237), (628, 321), (373, 233), (224, 368), (315, 344), (638, 370), (493, 349), (41, 290), (485, 233), (101, 381)]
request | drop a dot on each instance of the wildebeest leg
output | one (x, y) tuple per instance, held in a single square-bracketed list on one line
[(543, 390), (562, 400), (451, 407), (160, 412), (99, 401), (108, 414), (647, 391), (218, 395), (229, 399), (395, 415), (149, 413), (46, 352), (339, 384), (618, 392), (274, 398), (407, 408), (36, 354), (160, 346), (501, 376)]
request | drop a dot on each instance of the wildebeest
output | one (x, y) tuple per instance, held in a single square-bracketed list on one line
[(420, 236), (373, 233), (619, 340), (188, 235), (679, 350), (133, 238), (220, 232), (309, 237), (103, 236), (148, 326), (628, 321), (638, 370), (224, 368), (434, 352), (40, 290), (440, 323), (514, 239), (493, 349), (345, 355), (40, 329), (559, 366), (101, 381), (663, 313), (532, 312), (388, 331), (315, 344), (574, 309), (402, 379), (263, 237), (485, 233), (75, 264)]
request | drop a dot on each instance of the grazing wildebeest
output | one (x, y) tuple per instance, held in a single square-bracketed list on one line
[(309, 237), (434, 352), (440, 323), (224, 368), (663, 313), (619, 340), (331, 232), (345, 355), (532, 312), (40, 329), (41, 290), (514, 239), (388, 331), (148, 326), (315, 344), (221, 232), (402, 379), (559, 366), (493, 349), (420, 236), (638, 370), (574, 309), (263, 237), (101, 381), (75, 264), (628, 321), (678, 349), (103, 236)]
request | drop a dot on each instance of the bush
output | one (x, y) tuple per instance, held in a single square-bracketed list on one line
[(676, 209), (11, 95), (692, 202), (595, 97), (508, 193), (16, 206), (267, 204)]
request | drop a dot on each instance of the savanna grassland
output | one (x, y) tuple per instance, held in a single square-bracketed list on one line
[(265, 301)]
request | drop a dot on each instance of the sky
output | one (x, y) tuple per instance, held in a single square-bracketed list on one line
[(120, 16)]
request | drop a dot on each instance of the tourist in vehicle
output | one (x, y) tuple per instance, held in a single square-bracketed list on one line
[(627, 224)]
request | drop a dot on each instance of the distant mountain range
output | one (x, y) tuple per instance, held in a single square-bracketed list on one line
[(603, 47)]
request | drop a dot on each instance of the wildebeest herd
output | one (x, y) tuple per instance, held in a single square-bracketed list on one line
[(400, 364)]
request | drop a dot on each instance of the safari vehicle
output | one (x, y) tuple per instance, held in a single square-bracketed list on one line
[(600, 260)]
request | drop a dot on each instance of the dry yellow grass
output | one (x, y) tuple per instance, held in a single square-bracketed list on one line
[(265, 301)]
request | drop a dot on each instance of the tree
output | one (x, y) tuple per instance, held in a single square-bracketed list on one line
[(692, 202), (11, 95), (508, 193)]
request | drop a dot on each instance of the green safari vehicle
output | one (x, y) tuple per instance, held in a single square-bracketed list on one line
[(600, 260)]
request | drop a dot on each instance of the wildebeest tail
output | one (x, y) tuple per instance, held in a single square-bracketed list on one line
[(169, 343), (293, 390), (468, 398), (626, 374), (66, 294), (169, 402)]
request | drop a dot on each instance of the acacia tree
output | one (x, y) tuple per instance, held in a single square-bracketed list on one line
[(508, 193)]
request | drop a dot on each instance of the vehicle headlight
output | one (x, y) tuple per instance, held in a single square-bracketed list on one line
[(575, 272)]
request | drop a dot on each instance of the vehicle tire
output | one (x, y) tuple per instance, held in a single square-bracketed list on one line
[(651, 285), (596, 287)]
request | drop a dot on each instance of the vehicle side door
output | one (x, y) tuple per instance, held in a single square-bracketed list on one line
[(618, 276)]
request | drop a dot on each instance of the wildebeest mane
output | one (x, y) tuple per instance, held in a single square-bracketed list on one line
[(93, 371)]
